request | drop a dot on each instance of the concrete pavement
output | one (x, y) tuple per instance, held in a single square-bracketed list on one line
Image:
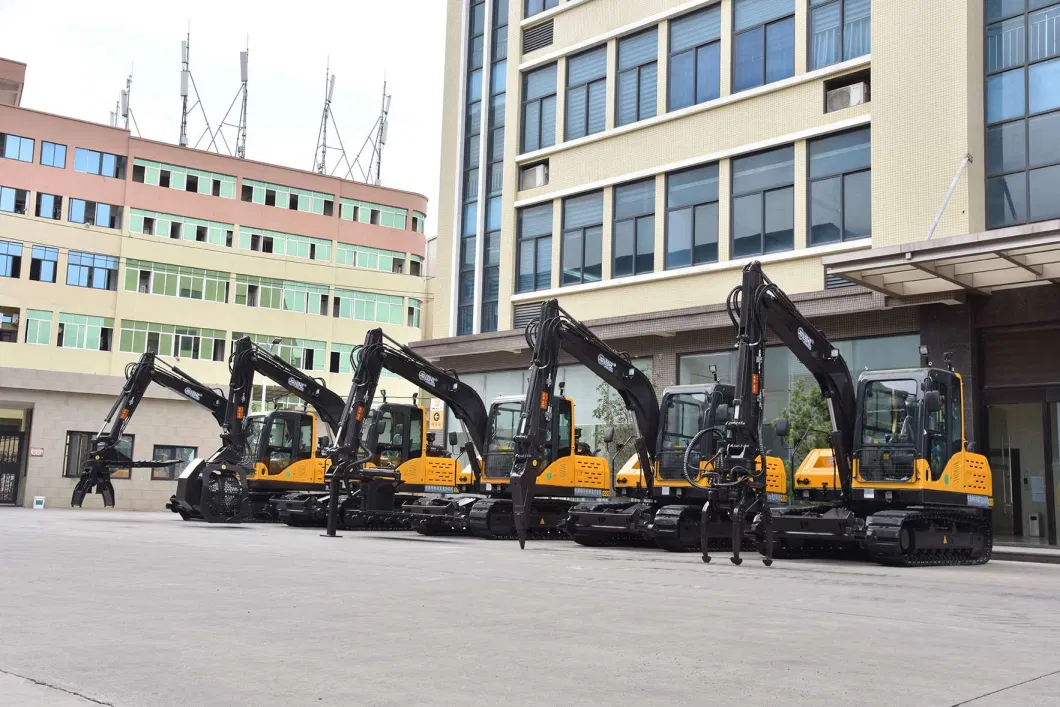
[(132, 609)]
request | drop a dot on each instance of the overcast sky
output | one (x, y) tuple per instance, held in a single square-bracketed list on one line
[(79, 54)]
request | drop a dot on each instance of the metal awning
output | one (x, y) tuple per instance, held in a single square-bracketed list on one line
[(976, 263)]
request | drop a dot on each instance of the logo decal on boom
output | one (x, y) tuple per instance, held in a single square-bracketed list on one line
[(606, 363), (296, 384), (805, 339), (428, 379), (194, 395)]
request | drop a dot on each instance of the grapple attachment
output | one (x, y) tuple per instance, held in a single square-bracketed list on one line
[(93, 480)]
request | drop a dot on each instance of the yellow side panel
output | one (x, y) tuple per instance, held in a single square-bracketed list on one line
[(817, 471), (965, 473), (630, 475), (558, 473), (776, 477), (591, 473), (441, 471), (413, 471), (304, 471)]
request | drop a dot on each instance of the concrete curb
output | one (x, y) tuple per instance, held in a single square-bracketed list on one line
[(1016, 554)]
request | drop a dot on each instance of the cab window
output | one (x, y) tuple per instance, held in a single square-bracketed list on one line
[(563, 428), (305, 442), (416, 434)]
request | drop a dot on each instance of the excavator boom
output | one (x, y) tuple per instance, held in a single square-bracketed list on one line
[(104, 455), (555, 331)]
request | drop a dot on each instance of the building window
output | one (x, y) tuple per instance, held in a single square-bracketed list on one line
[(414, 313), (290, 198), (374, 214), (535, 248), (633, 245), (176, 281), (49, 206), (10, 259), (285, 244), (764, 45), (587, 93), (13, 201), (368, 307), (539, 108), (52, 154), (763, 203), (38, 327), (536, 7), (692, 217), (170, 340), (94, 213), (839, 30), (695, 58), (101, 163), (583, 234), (80, 331), (300, 353), (638, 77), (171, 176), (164, 453), (18, 148), (151, 223), (840, 187), (100, 272), (43, 264), (1022, 112), (417, 221), (78, 447)]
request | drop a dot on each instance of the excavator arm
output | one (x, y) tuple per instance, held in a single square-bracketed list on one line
[(757, 307), (379, 352), (554, 332), (248, 359), (104, 456), (765, 306)]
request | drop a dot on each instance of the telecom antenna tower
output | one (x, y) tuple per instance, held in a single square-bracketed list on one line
[(366, 165), (241, 126), (123, 109)]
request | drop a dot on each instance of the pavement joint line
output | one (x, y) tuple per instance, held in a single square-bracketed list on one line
[(50, 686), (1003, 689)]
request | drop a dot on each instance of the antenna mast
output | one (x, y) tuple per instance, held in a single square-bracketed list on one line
[(185, 78), (321, 152), (241, 126)]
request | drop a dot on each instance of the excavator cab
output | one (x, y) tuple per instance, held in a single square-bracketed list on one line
[(398, 439), (909, 441)]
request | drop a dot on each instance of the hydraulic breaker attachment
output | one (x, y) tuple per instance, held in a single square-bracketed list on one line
[(523, 482)]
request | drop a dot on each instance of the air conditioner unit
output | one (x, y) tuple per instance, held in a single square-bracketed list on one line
[(846, 97), (533, 177)]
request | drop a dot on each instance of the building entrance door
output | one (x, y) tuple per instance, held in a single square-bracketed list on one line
[(10, 466), (1018, 449)]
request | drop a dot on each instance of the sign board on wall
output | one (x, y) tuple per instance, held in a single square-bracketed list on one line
[(436, 416), (36, 451)]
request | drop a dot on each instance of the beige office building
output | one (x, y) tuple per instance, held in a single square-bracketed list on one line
[(111, 245), (894, 165)]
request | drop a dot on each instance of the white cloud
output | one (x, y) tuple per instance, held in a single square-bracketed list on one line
[(79, 53)]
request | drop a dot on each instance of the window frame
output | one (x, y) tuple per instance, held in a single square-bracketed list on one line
[(638, 68), (4, 137), (582, 231), (57, 206), (694, 50), (810, 181), (540, 101), (810, 8), (587, 85), (546, 5), (733, 196), (50, 255), (694, 208), (123, 474), (52, 164), (764, 26), (111, 277), (636, 219), (1025, 117), (169, 473), (536, 240)]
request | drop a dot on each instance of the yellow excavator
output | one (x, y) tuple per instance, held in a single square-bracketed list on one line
[(911, 490)]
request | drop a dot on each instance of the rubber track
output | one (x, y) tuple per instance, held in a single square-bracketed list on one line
[(479, 522), (878, 551)]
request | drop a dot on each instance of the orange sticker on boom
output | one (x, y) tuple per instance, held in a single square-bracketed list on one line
[(239, 412), (544, 401), (125, 413), (754, 384), (360, 413)]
